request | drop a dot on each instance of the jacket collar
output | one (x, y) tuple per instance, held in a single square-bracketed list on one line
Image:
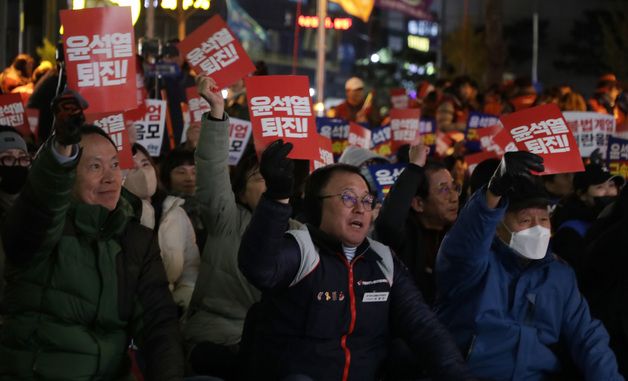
[(97, 222)]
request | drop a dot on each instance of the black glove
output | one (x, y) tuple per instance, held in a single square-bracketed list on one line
[(513, 165), (69, 118), (277, 170)]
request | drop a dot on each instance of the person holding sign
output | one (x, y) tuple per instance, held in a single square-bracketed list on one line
[(511, 306), (83, 275), (331, 297), (222, 295)]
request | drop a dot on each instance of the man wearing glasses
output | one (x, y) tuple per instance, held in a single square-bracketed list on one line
[(331, 297), (425, 198)]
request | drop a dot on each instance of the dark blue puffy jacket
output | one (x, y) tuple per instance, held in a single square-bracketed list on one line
[(513, 320)]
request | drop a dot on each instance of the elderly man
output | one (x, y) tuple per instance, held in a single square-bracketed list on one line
[(83, 277), (513, 308), (330, 295), (425, 198)]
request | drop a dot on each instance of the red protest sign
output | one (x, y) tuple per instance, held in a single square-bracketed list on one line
[(113, 125), (280, 108), (12, 113), (405, 126), (326, 156), (542, 130), (399, 98), (100, 57), (197, 105), (212, 49), (359, 136)]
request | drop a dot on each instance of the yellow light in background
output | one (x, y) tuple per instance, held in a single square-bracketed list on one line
[(421, 44), (169, 4), (196, 4), (78, 4)]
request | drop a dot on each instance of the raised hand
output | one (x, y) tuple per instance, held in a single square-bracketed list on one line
[(207, 88), (277, 170)]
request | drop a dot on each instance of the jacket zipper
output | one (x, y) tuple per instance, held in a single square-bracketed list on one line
[(343, 339)]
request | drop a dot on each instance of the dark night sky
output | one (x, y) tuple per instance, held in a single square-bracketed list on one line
[(561, 15)]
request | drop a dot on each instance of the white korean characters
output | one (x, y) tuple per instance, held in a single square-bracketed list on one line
[(103, 59), (282, 116), (548, 136), (215, 53)]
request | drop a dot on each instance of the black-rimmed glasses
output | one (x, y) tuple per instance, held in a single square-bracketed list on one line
[(10, 161), (350, 200)]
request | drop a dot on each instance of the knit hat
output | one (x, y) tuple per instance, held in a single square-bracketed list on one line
[(11, 139)]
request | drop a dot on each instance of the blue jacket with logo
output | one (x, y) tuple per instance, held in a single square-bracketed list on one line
[(514, 320), (330, 319)]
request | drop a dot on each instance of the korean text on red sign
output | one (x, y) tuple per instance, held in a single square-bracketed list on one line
[(12, 113), (239, 135), (212, 49), (359, 136), (114, 126), (197, 105), (100, 57), (280, 108), (542, 130), (150, 129), (326, 156), (405, 126)]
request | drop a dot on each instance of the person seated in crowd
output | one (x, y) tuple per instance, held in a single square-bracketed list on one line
[(18, 74), (357, 107), (222, 295), (459, 99), (604, 99), (594, 190), (331, 297), (177, 173), (602, 276), (513, 308), (14, 164), (83, 277), (163, 214), (425, 197)]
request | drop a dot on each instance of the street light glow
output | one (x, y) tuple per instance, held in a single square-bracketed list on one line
[(375, 58)]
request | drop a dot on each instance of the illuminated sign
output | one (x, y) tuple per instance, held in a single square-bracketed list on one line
[(337, 23), (421, 44), (423, 28), (186, 4)]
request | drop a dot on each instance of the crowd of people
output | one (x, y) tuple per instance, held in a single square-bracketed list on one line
[(183, 267)]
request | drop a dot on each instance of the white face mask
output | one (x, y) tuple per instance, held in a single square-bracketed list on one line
[(142, 182), (530, 243)]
